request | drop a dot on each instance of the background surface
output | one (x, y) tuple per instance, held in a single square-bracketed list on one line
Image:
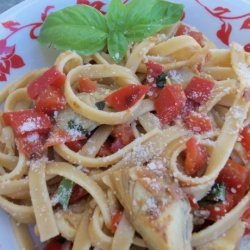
[(6, 4)]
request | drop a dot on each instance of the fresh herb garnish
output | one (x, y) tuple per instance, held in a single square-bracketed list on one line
[(215, 195), (64, 192), (100, 105), (161, 80), (86, 30), (77, 127)]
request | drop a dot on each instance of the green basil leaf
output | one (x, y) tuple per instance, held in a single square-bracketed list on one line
[(139, 12), (161, 80), (216, 194), (117, 45), (167, 13), (156, 15), (116, 16), (142, 31), (100, 105), (81, 28), (64, 192)]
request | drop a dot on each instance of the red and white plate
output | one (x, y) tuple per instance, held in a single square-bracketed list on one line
[(222, 21)]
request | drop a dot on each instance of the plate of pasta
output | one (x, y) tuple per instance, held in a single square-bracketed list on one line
[(125, 125)]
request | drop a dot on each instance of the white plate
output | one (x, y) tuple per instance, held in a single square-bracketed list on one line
[(223, 21)]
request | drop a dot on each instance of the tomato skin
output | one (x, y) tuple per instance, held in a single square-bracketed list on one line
[(170, 103), (31, 145), (58, 243), (246, 218), (115, 221), (246, 215), (75, 145), (236, 179), (193, 202), (153, 70), (105, 149), (190, 105), (198, 122), (51, 77), (116, 145), (60, 136), (199, 89), (126, 96), (86, 85), (27, 121), (153, 91), (50, 99), (245, 141), (185, 30), (196, 158), (124, 132), (77, 194), (218, 210), (122, 135)]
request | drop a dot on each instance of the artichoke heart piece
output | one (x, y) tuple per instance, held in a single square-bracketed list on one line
[(155, 205)]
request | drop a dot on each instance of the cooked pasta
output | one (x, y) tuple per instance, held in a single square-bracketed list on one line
[(150, 153)]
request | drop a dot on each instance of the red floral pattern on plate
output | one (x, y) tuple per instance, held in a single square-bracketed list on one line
[(226, 27), (96, 4), (9, 59)]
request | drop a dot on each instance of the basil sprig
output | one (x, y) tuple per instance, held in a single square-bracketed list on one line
[(86, 30), (64, 192), (215, 195)]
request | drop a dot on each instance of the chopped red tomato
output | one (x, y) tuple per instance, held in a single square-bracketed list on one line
[(116, 145), (126, 96), (193, 202), (196, 158), (77, 194), (218, 210), (31, 145), (247, 230), (245, 141), (124, 132), (246, 218), (153, 70), (58, 243), (115, 221), (121, 136), (86, 85), (190, 105), (153, 91), (51, 77), (60, 136), (27, 121), (199, 89), (198, 122), (105, 149), (50, 99), (75, 145), (170, 103), (246, 215), (236, 179), (185, 30)]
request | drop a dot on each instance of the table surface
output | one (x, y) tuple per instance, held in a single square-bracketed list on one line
[(6, 4)]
